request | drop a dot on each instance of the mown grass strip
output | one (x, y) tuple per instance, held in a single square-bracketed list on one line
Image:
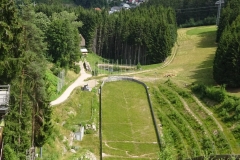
[(126, 118)]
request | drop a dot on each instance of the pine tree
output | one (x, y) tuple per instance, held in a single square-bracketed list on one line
[(28, 92), (226, 67), (10, 47), (228, 15)]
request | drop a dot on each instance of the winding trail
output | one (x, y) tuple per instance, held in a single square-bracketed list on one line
[(79, 82)]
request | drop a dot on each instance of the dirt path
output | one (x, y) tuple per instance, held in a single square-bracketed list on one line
[(77, 83), (165, 64)]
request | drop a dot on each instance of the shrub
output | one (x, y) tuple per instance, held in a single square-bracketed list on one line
[(216, 94), (116, 68), (76, 69), (236, 132), (9, 153), (55, 70), (199, 89), (138, 66)]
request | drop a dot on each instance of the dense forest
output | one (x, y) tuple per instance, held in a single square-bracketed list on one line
[(144, 35), (191, 13), (130, 35), (226, 67), (23, 66), (188, 13), (28, 42)]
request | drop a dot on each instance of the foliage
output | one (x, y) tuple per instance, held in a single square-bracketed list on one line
[(137, 35), (91, 3), (89, 19), (227, 107), (28, 89), (121, 35), (191, 13), (228, 15), (214, 93), (63, 39), (76, 69), (138, 65), (226, 67), (191, 22), (9, 154)]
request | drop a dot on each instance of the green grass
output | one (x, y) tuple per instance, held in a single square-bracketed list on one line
[(70, 77), (194, 59), (126, 120), (80, 108), (201, 30)]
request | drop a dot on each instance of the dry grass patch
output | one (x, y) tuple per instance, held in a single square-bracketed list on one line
[(194, 59)]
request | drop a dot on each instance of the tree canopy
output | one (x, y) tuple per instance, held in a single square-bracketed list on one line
[(23, 66), (63, 39), (226, 67)]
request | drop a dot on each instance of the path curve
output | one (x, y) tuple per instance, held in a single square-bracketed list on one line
[(79, 82), (84, 75)]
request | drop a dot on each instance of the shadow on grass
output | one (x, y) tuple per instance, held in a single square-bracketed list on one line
[(207, 39), (203, 73)]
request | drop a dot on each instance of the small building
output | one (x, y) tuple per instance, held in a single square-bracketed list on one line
[(84, 51)]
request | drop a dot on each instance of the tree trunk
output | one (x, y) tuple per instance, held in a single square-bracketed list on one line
[(20, 106)]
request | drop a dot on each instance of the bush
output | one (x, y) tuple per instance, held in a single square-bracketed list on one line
[(138, 66), (116, 68), (76, 69), (55, 70), (89, 131), (9, 153), (216, 94)]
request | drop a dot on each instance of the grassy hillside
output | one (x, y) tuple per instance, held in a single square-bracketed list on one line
[(191, 126), (194, 57), (81, 109)]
